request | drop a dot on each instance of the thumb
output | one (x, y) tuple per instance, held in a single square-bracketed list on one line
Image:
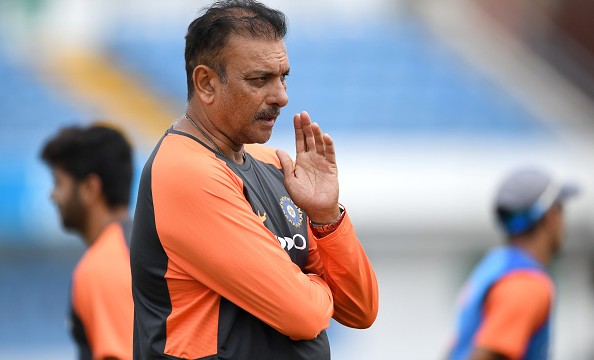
[(285, 161)]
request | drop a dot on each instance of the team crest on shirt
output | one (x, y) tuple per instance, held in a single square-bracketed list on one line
[(291, 211)]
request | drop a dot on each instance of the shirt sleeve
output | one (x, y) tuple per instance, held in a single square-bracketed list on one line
[(515, 307), (342, 262), (339, 258), (222, 244)]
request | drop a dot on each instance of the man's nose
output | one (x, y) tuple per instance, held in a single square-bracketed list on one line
[(279, 95)]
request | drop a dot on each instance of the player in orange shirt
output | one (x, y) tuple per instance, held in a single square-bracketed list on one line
[(92, 170), (506, 304), (237, 251)]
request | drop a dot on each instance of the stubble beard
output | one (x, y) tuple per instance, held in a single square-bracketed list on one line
[(74, 214), (271, 112)]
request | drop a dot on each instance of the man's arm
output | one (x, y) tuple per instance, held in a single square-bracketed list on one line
[(515, 308), (211, 234), (341, 261), (312, 182)]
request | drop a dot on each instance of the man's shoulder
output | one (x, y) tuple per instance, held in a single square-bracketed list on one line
[(180, 153), (525, 286), (107, 257), (263, 153), (528, 277)]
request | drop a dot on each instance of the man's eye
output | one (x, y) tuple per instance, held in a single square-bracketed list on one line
[(260, 80)]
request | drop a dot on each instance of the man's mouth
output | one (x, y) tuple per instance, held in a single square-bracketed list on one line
[(268, 116)]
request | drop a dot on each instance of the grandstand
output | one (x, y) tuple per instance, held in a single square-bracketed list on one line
[(30, 112)]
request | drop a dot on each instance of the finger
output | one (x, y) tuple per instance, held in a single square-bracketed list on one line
[(318, 137), (329, 148), (286, 163), (299, 137), (310, 142)]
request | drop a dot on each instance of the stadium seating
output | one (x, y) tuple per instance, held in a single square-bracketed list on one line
[(29, 113), (391, 77)]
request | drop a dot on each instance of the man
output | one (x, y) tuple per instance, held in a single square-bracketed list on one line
[(237, 251), (505, 306), (92, 170)]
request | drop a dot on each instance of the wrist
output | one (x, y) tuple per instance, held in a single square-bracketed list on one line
[(323, 229), (326, 217)]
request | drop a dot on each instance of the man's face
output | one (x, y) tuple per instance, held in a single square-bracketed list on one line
[(65, 195), (248, 103)]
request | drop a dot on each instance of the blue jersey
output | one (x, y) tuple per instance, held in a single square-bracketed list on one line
[(498, 263)]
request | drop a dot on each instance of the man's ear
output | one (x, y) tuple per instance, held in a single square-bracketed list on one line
[(91, 189), (205, 80)]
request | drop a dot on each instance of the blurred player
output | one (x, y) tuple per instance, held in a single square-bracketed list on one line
[(92, 171), (505, 306)]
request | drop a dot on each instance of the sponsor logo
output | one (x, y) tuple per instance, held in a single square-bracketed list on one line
[(291, 211), (297, 241)]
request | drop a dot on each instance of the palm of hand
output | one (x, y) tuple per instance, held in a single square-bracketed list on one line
[(312, 181), (314, 184)]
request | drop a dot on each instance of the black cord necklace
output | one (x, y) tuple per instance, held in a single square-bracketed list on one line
[(189, 118), (204, 133)]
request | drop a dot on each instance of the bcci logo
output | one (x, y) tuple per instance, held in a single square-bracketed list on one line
[(291, 211)]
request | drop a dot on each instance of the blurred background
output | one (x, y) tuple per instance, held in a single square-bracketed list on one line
[(430, 104)]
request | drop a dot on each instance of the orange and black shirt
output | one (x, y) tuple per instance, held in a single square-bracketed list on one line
[(102, 310), (225, 266)]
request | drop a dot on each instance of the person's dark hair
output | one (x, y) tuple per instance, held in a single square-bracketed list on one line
[(521, 223), (515, 223), (208, 34), (96, 149)]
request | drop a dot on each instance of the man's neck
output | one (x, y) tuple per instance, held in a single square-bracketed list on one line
[(193, 123), (536, 245), (99, 219)]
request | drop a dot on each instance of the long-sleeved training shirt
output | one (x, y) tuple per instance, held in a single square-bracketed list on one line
[(225, 265), (102, 315)]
